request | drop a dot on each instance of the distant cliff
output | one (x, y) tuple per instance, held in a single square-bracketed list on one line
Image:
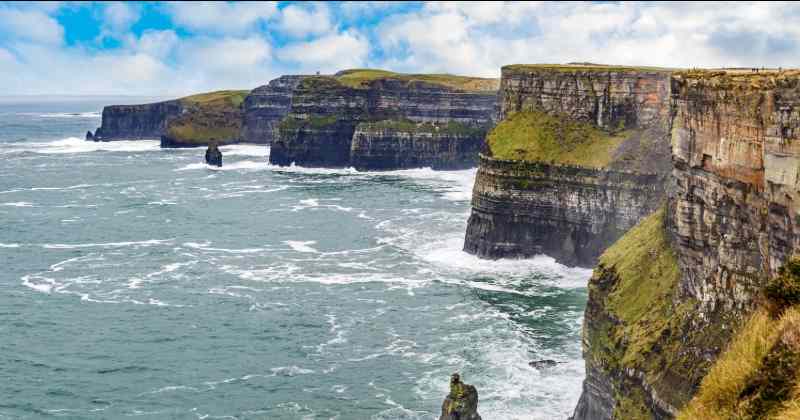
[(579, 157), (136, 122), (680, 288), (265, 107), (375, 119)]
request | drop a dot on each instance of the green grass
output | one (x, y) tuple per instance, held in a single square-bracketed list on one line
[(360, 78), (232, 98), (212, 116), (538, 136)]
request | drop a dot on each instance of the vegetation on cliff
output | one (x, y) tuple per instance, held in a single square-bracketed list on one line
[(452, 128), (758, 375), (361, 78), (539, 136), (588, 67), (213, 116)]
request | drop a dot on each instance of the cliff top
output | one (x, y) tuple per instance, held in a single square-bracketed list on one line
[(360, 79), (220, 97), (583, 67), (739, 78)]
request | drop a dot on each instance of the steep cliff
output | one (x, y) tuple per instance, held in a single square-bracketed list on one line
[(186, 122), (326, 112), (579, 157), (265, 107), (136, 122), (730, 222)]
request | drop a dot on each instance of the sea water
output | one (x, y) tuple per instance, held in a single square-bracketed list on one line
[(139, 282)]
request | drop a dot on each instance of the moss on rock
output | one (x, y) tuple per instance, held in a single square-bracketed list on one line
[(539, 136), (361, 79), (207, 117)]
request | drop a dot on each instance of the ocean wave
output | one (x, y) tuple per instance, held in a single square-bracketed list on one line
[(256, 150), (302, 246), (94, 114), (235, 166), (77, 145), (151, 242)]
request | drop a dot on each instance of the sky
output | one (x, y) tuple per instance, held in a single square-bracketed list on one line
[(166, 48)]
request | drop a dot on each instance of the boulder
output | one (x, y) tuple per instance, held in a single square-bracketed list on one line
[(462, 401), (213, 155)]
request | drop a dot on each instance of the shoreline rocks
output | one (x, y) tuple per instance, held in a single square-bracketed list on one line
[(462, 401), (213, 155)]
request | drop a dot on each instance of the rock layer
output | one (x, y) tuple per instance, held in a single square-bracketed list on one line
[(522, 209), (573, 213), (325, 115), (731, 221), (137, 122), (265, 107)]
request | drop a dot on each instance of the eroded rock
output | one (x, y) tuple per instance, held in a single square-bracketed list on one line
[(462, 401)]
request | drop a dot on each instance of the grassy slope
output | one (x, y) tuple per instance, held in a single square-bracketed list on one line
[(211, 116), (758, 375), (360, 78), (407, 126), (538, 136), (582, 67)]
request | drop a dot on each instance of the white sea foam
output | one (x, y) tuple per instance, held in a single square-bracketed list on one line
[(290, 371), (205, 247), (39, 283), (302, 246), (459, 183), (95, 114), (77, 145), (235, 166), (18, 204), (2, 245), (256, 150)]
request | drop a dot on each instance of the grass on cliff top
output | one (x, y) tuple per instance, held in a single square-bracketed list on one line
[(232, 98), (739, 79), (212, 116), (360, 78), (538, 136), (756, 377), (571, 68)]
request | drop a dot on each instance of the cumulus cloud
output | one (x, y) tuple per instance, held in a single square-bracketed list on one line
[(30, 25), (300, 20), (221, 17), (329, 53)]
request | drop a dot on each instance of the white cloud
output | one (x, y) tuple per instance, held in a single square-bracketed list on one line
[(221, 17), (329, 53), (30, 25), (119, 16), (300, 21)]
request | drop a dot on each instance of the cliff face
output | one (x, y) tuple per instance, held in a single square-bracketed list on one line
[(579, 158), (730, 222), (414, 115), (136, 122), (522, 209), (265, 107)]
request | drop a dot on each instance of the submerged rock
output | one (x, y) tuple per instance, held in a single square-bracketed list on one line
[(461, 403), (541, 364), (213, 155)]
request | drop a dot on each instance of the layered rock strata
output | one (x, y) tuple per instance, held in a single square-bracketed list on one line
[(265, 107), (421, 121), (572, 209), (137, 122), (730, 223)]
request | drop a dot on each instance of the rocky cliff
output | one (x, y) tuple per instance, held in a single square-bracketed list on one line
[(660, 312), (136, 122), (579, 158), (265, 107), (382, 120)]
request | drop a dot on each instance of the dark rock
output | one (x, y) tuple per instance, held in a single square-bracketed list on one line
[(137, 122), (89, 136), (542, 364), (213, 155), (265, 107), (461, 403), (326, 125)]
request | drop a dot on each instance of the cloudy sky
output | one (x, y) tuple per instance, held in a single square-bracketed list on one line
[(178, 48)]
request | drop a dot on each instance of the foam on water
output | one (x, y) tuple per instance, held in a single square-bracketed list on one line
[(77, 145), (150, 242), (235, 166), (256, 150), (95, 114), (302, 246)]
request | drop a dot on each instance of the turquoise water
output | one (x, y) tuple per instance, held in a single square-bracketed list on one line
[(138, 282)]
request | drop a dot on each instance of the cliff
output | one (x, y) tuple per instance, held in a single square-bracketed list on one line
[(265, 107), (579, 157), (375, 119), (652, 334), (186, 122)]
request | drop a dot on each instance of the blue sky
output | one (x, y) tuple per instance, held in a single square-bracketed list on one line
[(170, 48)]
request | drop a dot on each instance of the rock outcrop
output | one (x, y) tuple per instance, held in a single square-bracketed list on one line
[(661, 311), (265, 107), (382, 120), (213, 155), (137, 122), (580, 157), (461, 403), (214, 117)]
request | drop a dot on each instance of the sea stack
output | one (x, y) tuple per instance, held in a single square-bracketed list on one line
[(90, 136), (462, 401), (213, 155)]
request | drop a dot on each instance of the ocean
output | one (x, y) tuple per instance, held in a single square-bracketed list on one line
[(139, 282)]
